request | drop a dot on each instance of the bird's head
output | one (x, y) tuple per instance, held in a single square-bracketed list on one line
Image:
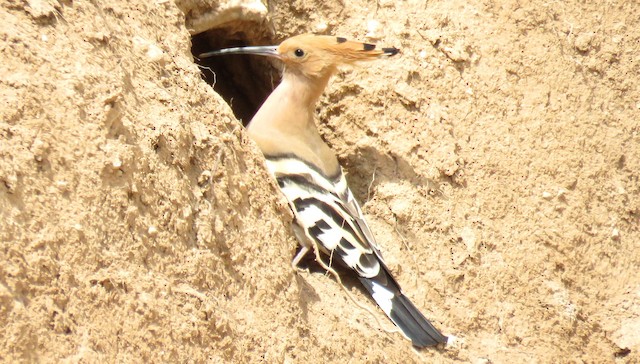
[(320, 55), (314, 56)]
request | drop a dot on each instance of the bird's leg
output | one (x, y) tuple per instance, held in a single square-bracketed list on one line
[(296, 260), (306, 248)]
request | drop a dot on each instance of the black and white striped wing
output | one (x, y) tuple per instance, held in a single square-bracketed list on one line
[(327, 210)]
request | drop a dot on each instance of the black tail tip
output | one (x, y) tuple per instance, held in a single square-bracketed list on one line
[(414, 325), (430, 341)]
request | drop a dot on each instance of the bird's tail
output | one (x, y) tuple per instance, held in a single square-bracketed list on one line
[(404, 314)]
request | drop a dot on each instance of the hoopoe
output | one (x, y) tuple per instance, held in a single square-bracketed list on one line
[(327, 216)]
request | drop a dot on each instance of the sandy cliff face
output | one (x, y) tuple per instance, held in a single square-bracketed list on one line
[(496, 159)]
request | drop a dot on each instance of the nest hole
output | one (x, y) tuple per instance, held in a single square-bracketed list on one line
[(243, 81)]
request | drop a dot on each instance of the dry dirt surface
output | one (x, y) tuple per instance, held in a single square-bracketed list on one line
[(496, 159)]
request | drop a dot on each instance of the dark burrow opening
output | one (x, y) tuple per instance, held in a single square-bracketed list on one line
[(243, 81)]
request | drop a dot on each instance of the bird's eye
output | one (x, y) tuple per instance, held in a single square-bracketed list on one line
[(299, 53)]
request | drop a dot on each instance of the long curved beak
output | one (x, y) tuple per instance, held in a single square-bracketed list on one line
[(269, 51)]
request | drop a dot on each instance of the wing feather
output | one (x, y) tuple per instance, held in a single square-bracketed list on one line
[(327, 209)]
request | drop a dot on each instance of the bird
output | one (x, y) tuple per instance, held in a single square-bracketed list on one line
[(307, 171)]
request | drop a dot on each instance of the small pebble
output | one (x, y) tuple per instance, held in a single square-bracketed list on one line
[(372, 28), (615, 234), (116, 163), (321, 27)]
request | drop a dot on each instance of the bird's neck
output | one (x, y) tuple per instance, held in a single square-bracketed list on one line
[(285, 124), (291, 106), (304, 90)]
